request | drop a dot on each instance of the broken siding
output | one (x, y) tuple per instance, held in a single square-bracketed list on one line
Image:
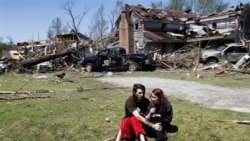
[(138, 42), (163, 26), (161, 37), (215, 25), (245, 18), (221, 22)]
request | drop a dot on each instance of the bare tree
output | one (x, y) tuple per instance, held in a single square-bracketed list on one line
[(114, 14), (50, 34), (196, 6), (159, 5), (99, 28), (176, 5), (192, 4), (75, 19), (205, 7), (170, 5), (56, 27), (10, 40), (211, 6), (5, 45), (222, 6)]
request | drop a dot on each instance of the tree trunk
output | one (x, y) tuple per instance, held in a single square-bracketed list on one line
[(35, 61)]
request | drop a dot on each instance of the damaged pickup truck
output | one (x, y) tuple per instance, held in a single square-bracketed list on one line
[(116, 59)]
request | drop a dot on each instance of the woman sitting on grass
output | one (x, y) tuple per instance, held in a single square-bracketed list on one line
[(159, 111)]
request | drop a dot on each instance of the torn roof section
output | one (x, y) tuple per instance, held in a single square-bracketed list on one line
[(163, 37), (160, 14)]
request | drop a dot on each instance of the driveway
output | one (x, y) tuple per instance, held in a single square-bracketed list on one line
[(236, 99)]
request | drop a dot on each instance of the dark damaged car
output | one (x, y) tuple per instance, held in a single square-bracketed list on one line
[(116, 58)]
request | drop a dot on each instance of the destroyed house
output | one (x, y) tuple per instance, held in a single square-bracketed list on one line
[(71, 40), (72, 37), (27, 48), (143, 29), (61, 43), (232, 24), (74, 40)]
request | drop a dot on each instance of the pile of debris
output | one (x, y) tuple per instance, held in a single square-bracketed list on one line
[(42, 57), (184, 58), (188, 58)]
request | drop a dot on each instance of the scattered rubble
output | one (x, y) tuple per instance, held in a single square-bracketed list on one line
[(62, 53)]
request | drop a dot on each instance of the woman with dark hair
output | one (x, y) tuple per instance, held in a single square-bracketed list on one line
[(159, 111), (131, 127)]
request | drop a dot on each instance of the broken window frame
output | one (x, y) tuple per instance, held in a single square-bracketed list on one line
[(136, 26)]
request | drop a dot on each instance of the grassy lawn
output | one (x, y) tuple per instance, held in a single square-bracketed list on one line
[(76, 109)]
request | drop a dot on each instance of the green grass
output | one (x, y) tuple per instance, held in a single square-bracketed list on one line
[(75, 111)]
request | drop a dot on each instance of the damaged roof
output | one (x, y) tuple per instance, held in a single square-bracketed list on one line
[(150, 13), (231, 12)]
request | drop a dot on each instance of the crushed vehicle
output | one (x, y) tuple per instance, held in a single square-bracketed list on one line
[(231, 52), (244, 62), (115, 58), (2, 67), (45, 67)]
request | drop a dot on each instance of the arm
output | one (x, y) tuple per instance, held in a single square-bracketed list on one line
[(150, 113), (119, 136), (156, 126), (169, 113)]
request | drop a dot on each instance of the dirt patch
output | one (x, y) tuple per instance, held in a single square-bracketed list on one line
[(236, 99)]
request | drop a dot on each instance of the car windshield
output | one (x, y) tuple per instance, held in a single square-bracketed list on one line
[(221, 47)]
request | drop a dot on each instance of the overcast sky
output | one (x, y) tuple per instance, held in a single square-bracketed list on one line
[(24, 20)]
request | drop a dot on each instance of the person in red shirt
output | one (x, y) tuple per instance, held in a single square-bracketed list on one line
[(136, 105)]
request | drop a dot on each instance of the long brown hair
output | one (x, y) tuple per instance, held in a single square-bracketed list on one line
[(162, 98)]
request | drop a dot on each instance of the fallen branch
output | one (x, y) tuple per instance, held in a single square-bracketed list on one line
[(220, 72), (21, 98), (166, 65), (109, 139), (104, 88), (26, 92), (239, 71), (15, 92), (236, 121), (92, 76)]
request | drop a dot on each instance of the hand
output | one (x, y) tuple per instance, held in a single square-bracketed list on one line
[(152, 110), (157, 126)]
